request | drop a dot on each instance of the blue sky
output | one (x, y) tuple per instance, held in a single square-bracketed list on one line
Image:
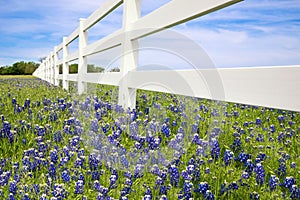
[(250, 33)]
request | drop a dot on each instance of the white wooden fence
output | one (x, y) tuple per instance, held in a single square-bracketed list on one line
[(277, 87)]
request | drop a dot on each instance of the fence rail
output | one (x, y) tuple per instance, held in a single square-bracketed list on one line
[(276, 87)]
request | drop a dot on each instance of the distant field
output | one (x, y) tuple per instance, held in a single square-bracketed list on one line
[(15, 76)]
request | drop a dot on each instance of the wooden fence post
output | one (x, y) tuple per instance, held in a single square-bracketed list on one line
[(56, 67), (129, 59), (82, 60), (65, 64)]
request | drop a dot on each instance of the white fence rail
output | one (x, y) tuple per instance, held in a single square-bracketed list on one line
[(277, 87)]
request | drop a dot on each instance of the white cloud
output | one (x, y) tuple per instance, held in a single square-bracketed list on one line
[(257, 32), (240, 48)]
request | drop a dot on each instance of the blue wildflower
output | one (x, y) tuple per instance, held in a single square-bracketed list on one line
[(289, 182), (202, 187), (254, 195), (260, 173), (209, 195), (228, 156), (273, 182), (295, 192), (79, 187), (174, 175), (13, 187), (214, 148), (165, 130)]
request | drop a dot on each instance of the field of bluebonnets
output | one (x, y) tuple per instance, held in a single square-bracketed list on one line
[(58, 145)]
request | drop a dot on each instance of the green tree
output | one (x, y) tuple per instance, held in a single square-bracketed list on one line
[(19, 68)]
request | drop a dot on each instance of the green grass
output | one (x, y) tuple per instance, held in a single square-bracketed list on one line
[(17, 77), (38, 91)]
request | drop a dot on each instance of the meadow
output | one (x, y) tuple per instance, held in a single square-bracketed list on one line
[(55, 144)]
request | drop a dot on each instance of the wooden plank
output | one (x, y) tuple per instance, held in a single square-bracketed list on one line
[(275, 87)]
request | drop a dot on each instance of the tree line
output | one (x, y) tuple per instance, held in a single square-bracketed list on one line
[(91, 68), (19, 68), (27, 68)]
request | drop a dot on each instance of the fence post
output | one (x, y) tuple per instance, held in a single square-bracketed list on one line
[(47, 69), (129, 59), (65, 64), (45, 75), (43, 70), (56, 67), (51, 69), (82, 60)]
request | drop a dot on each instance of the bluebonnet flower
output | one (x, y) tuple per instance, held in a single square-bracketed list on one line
[(11, 197), (138, 172), (280, 118), (289, 182), (147, 194), (293, 165), (258, 121), (13, 101), (243, 157), (245, 175), (36, 188), (223, 188), (13, 187), (79, 162), (57, 136), (196, 139), (207, 170), (209, 195), (43, 197), (200, 151), (190, 168), (53, 116), (79, 187), (254, 195), (94, 125), (159, 181), (187, 188), (97, 185), (272, 128), (155, 170), (281, 171), (165, 130), (81, 177), (93, 162), (52, 170), (295, 192), (214, 148), (96, 175), (41, 131), (163, 190), (228, 156), (54, 156), (147, 197), (174, 175), (202, 187), (127, 174), (233, 186), (260, 173), (236, 113), (113, 179), (59, 191), (273, 182), (236, 146), (163, 197), (185, 175)]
